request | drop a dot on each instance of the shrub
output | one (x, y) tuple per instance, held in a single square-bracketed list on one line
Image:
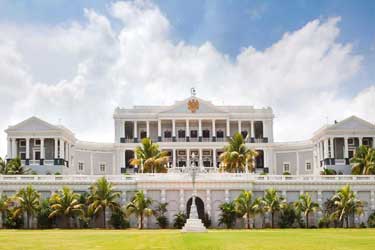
[(228, 214), (162, 221), (118, 220), (289, 217), (371, 220), (13, 222), (324, 222), (42, 215), (207, 220), (179, 220), (286, 173)]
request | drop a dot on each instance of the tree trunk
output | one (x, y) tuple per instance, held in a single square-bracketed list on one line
[(307, 220), (272, 215), (141, 222), (347, 221), (28, 220), (104, 219), (248, 221)]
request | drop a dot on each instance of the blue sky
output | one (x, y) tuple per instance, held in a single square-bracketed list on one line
[(62, 58), (229, 24)]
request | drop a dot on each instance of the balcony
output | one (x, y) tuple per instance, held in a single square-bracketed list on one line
[(192, 139)]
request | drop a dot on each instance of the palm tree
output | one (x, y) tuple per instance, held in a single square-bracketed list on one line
[(346, 204), (363, 161), (272, 203), (246, 207), (13, 166), (3, 208), (149, 155), (65, 203), (305, 205), (140, 206), (228, 214), (236, 156), (28, 202), (102, 196)]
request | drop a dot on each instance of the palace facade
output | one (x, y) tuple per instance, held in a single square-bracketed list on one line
[(189, 127), (192, 127)]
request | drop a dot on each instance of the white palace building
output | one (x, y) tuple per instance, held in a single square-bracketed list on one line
[(192, 127)]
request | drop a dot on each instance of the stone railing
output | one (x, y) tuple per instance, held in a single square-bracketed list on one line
[(201, 176)]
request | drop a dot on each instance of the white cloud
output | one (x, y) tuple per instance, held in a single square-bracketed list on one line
[(81, 71)]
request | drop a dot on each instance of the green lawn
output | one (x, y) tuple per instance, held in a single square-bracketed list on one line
[(288, 239)]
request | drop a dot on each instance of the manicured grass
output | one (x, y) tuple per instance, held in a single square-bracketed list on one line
[(288, 239)]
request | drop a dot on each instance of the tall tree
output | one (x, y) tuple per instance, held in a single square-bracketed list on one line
[(363, 161), (306, 205), (66, 204), (28, 200), (140, 205), (102, 196), (150, 156), (236, 156), (346, 204), (273, 203), (246, 207)]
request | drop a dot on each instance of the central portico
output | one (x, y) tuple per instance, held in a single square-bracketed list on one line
[(193, 126)]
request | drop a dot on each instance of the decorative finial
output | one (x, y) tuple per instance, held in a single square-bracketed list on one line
[(193, 92)]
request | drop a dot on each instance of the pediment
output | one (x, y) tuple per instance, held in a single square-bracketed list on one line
[(33, 124), (351, 123), (193, 105)]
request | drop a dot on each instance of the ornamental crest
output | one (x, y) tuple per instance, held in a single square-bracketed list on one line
[(193, 105)]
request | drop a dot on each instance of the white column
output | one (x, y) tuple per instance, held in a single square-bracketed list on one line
[(317, 151), (122, 129), (373, 142), (135, 129), (91, 164), (42, 151), (226, 195), (182, 200), (214, 157), (173, 128), (252, 129), (187, 129), (56, 149), (372, 200), (200, 158), (346, 148), (174, 158), (159, 128), (27, 148), (14, 148), (163, 197), (9, 149), (200, 128), (148, 129), (208, 202), (213, 128), (239, 126), (321, 150), (62, 149), (228, 128), (188, 157), (332, 147), (326, 149), (360, 140)]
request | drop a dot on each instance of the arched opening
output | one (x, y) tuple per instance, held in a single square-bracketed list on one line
[(200, 207)]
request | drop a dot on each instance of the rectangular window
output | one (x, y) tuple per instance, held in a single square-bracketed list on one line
[(206, 133), (22, 143), (36, 142), (193, 133), (308, 166), (167, 134), (351, 141), (23, 155), (286, 167), (80, 166), (102, 167), (220, 134), (181, 133)]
